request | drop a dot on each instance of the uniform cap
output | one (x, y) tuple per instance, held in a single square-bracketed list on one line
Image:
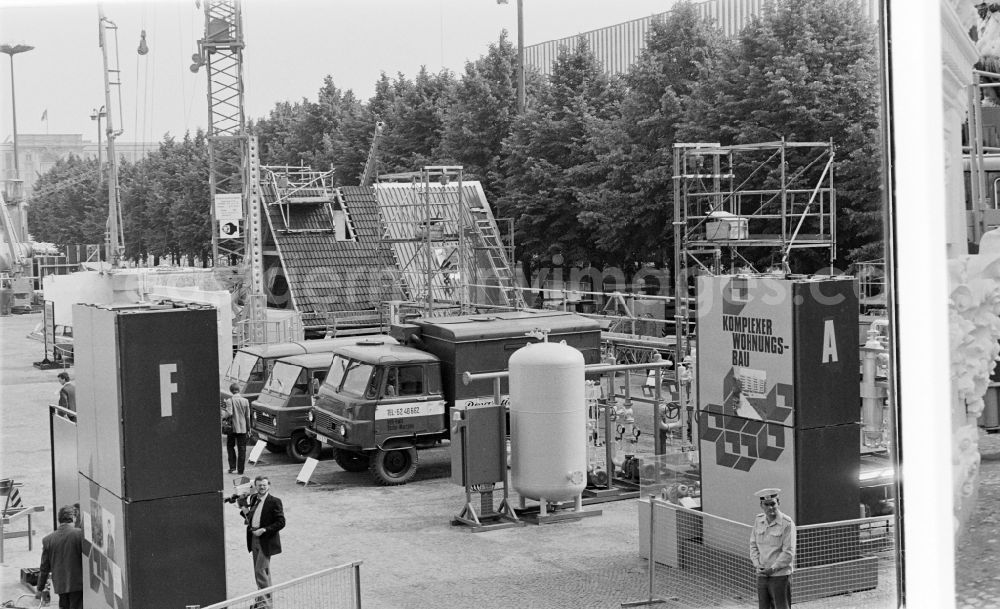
[(767, 493)]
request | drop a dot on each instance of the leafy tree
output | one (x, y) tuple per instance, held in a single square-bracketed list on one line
[(70, 204), (189, 195), (140, 220), (548, 164), (347, 147), (342, 115), (321, 135), (292, 133), (166, 201), (805, 70), (632, 209), (414, 121), (482, 115), (385, 94)]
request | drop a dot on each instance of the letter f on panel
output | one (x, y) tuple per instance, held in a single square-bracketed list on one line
[(167, 389)]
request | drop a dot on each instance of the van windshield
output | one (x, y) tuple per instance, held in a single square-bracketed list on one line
[(337, 368), (287, 379), (356, 378), (246, 367)]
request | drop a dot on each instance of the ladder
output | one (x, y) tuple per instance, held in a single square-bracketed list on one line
[(10, 235), (497, 256), (368, 175)]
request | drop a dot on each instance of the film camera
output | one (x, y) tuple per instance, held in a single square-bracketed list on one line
[(244, 488), (239, 499)]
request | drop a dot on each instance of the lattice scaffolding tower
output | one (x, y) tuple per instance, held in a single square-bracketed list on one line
[(233, 160), (733, 203)]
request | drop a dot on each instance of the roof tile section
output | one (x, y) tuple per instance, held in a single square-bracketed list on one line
[(326, 275)]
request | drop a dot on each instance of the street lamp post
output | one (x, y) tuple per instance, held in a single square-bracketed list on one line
[(12, 50), (520, 53), (520, 56), (97, 115)]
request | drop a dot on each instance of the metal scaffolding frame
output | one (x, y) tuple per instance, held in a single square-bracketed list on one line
[(426, 234), (981, 161), (772, 195), (233, 156), (451, 255), (221, 52)]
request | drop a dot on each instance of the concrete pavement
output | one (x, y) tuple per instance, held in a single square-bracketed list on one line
[(412, 555)]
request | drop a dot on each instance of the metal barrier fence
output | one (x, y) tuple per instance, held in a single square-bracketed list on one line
[(334, 588), (841, 565)]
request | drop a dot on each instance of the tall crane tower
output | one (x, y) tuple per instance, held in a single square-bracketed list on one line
[(234, 168)]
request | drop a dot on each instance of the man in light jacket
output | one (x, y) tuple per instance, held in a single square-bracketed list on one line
[(237, 410)]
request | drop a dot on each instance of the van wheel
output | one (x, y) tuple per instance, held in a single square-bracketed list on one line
[(275, 448), (394, 466), (351, 461), (301, 447)]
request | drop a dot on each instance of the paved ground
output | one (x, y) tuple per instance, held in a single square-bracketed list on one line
[(977, 578), (412, 556)]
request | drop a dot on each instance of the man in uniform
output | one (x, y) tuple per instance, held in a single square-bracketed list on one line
[(772, 552)]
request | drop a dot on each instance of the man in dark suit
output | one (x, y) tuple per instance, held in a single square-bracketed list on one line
[(62, 556), (264, 516), (67, 394)]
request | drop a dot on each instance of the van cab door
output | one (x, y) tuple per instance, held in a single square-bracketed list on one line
[(410, 401)]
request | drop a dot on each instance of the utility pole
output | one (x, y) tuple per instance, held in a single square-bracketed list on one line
[(520, 56), (11, 51), (520, 53)]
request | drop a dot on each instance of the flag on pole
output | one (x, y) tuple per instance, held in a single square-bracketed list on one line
[(45, 115)]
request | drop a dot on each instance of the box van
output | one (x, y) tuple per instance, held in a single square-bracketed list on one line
[(382, 401), (281, 411)]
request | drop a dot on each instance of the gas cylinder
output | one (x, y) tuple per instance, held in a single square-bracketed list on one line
[(548, 422)]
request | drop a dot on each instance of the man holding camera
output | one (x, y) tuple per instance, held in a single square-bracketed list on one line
[(264, 516)]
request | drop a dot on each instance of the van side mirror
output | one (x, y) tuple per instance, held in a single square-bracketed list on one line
[(315, 386)]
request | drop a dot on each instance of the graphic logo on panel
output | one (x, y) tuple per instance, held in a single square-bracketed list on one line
[(746, 426), (735, 295), (102, 561)]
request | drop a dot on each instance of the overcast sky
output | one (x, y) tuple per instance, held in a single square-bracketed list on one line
[(290, 46)]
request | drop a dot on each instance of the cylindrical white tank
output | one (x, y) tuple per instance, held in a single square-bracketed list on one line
[(548, 422)]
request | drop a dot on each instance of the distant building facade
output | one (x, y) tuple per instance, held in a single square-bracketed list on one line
[(618, 46), (38, 153)]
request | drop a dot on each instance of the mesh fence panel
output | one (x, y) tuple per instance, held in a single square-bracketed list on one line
[(333, 588), (703, 561)]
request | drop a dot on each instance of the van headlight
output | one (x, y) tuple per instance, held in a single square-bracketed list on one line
[(310, 416), (343, 431)]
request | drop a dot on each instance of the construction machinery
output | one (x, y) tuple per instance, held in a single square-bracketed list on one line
[(233, 163)]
